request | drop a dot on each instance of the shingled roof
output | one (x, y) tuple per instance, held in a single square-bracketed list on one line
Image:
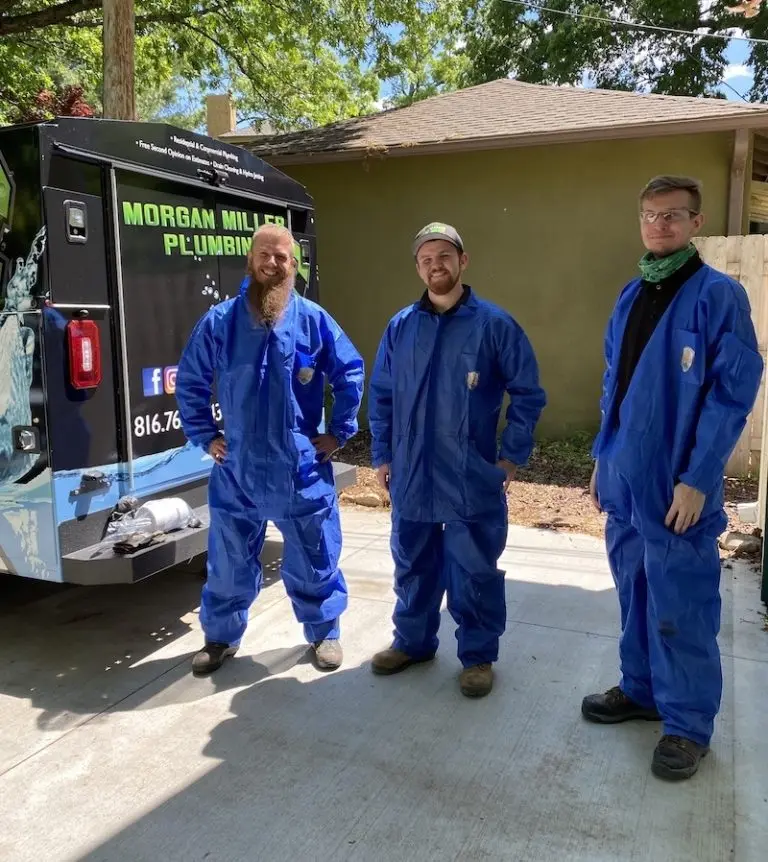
[(507, 113)]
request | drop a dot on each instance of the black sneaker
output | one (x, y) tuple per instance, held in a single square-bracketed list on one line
[(211, 657), (677, 758), (614, 707)]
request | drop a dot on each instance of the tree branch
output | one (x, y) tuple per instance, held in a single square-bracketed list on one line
[(179, 18), (242, 69), (174, 17), (61, 14), (223, 13)]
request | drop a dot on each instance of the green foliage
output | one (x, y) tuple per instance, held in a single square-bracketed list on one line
[(428, 58), (301, 63), (543, 47), (295, 63), (31, 62), (563, 462)]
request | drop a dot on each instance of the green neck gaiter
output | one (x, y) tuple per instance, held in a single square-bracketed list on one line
[(656, 269)]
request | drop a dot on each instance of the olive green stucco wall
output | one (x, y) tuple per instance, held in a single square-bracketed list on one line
[(551, 232)]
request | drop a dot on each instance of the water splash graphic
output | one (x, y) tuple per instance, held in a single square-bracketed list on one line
[(211, 292), (21, 512), (17, 348)]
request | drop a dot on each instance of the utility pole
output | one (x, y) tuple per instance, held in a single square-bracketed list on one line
[(119, 35)]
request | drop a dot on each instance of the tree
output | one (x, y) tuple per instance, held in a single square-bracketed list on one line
[(119, 29), (427, 58), (295, 63), (511, 39), (67, 101)]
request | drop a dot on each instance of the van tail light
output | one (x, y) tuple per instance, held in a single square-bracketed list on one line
[(84, 344)]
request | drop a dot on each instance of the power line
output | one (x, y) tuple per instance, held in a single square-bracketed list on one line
[(731, 87), (652, 27), (633, 26)]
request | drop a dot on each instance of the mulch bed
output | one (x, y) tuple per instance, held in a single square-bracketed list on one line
[(550, 494)]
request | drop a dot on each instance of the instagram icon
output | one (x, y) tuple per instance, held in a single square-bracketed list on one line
[(169, 379)]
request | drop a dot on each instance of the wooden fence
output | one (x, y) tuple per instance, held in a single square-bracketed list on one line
[(745, 258)]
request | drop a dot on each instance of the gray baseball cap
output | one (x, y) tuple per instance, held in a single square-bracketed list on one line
[(437, 230)]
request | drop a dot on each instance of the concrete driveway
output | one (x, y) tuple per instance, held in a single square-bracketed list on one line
[(111, 750)]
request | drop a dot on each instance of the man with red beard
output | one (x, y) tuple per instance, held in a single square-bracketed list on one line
[(269, 352), (436, 391)]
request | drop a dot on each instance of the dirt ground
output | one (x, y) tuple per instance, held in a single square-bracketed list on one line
[(550, 494)]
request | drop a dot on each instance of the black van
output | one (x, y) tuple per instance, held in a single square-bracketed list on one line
[(116, 238)]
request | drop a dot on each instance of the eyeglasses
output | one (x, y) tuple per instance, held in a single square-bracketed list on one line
[(668, 217)]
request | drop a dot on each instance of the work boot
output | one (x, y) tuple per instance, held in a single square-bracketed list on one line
[(211, 657), (677, 758), (328, 654), (476, 681), (613, 707), (392, 660)]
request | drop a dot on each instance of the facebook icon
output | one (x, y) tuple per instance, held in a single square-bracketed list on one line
[(152, 378)]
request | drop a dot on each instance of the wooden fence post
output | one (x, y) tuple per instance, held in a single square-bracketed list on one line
[(745, 258)]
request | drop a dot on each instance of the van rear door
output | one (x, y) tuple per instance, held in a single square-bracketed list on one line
[(181, 251)]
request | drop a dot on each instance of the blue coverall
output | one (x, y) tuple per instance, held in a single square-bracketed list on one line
[(684, 410), (270, 387), (435, 399)]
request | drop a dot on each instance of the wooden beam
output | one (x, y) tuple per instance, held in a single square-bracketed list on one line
[(763, 470), (738, 179)]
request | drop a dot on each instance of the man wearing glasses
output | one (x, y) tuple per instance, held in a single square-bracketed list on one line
[(682, 374)]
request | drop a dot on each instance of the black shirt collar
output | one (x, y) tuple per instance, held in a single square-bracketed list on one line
[(425, 304)]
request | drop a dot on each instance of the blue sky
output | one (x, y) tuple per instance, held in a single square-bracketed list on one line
[(737, 74)]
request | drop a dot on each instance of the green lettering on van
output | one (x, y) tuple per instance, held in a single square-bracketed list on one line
[(229, 220), (167, 218), (152, 215), (132, 213), (214, 245)]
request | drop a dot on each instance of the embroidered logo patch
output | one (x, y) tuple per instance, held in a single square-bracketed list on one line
[(305, 375), (686, 360), (473, 378)]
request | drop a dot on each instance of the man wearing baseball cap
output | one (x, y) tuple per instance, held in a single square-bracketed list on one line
[(435, 399)]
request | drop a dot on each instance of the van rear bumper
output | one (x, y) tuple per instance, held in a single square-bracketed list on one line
[(99, 564)]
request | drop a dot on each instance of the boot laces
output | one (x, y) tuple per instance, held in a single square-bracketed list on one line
[(615, 696), (686, 745)]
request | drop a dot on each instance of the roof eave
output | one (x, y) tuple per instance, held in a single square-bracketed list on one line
[(634, 130)]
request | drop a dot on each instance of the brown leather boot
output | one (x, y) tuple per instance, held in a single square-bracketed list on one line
[(476, 681), (677, 758), (392, 660)]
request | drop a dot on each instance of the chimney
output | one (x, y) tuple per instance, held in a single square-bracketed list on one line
[(220, 114)]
